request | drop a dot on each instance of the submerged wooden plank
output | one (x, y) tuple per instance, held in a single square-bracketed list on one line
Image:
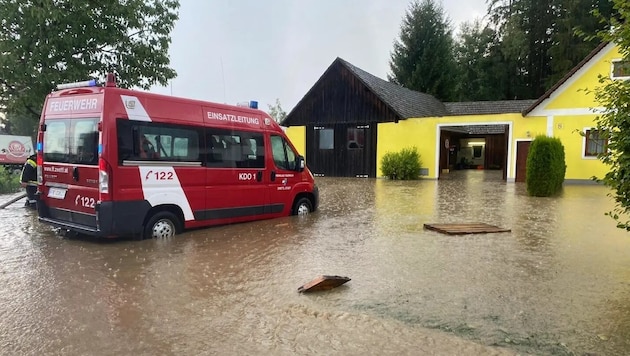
[(467, 228), (323, 283)]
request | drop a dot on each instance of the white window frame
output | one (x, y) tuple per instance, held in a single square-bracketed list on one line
[(584, 139), (612, 69)]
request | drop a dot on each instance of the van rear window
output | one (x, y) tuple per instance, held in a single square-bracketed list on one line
[(71, 141)]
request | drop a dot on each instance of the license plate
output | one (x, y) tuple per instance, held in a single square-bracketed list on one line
[(57, 193)]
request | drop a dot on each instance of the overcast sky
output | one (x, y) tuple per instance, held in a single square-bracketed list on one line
[(239, 50)]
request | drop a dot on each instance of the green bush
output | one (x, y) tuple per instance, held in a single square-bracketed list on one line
[(545, 166), (403, 165), (9, 181)]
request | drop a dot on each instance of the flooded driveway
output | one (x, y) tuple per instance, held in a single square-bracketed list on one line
[(558, 283)]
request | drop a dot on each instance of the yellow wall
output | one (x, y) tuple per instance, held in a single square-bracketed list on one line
[(297, 136), (423, 134), (567, 129), (576, 95), (569, 112), (419, 133)]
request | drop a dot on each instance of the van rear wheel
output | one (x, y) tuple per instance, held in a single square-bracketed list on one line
[(162, 225), (302, 207)]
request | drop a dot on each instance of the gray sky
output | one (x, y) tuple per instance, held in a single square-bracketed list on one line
[(241, 50)]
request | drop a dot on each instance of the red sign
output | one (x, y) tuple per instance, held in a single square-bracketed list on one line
[(17, 148)]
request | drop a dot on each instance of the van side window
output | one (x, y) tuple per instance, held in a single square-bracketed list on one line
[(234, 149), (149, 141), (283, 156)]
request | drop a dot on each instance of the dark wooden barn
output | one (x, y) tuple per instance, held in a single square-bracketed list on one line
[(341, 112)]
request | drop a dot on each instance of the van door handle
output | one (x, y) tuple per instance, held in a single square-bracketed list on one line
[(273, 176), (75, 174), (259, 176)]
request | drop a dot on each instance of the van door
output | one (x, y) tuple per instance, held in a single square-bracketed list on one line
[(70, 169), (235, 176), (283, 175)]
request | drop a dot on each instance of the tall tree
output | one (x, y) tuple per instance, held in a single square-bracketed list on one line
[(614, 123), (422, 58), (52, 41), (527, 27), (574, 34), (482, 72)]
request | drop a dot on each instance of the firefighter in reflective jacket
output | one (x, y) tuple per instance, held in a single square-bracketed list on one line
[(29, 180)]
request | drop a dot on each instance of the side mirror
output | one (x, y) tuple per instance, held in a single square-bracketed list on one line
[(301, 164)]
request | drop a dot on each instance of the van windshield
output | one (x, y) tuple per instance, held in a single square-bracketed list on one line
[(71, 141)]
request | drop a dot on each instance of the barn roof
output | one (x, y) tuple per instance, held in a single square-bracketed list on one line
[(403, 103), (488, 107), (406, 102)]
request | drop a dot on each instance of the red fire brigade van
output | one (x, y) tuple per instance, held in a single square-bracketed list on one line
[(118, 162)]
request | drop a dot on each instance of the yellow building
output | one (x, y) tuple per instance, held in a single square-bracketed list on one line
[(350, 119)]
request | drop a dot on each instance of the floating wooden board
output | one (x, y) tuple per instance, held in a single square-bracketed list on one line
[(323, 283), (462, 229)]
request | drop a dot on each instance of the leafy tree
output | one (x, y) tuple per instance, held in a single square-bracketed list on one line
[(543, 39), (481, 65), (614, 123), (276, 112), (527, 27), (422, 59), (574, 34), (52, 41)]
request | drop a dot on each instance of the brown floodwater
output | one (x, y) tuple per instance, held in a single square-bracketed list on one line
[(558, 283)]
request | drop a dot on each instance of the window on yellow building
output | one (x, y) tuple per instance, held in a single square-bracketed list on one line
[(620, 69), (595, 143)]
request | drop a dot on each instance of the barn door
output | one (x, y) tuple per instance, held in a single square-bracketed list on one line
[(357, 149), (321, 150)]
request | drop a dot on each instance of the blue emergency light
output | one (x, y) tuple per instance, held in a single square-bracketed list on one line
[(85, 83), (248, 104)]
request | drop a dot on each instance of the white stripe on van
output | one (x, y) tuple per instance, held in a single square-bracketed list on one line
[(160, 185), (134, 108)]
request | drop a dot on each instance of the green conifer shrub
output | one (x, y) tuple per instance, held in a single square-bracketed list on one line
[(545, 166)]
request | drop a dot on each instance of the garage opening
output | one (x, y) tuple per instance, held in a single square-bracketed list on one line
[(474, 146)]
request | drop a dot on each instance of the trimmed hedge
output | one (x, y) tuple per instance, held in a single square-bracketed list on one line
[(403, 165), (545, 166)]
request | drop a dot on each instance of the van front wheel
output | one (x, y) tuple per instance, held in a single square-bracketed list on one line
[(302, 207), (162, 225)]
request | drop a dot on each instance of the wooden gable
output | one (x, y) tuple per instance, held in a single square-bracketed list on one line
[(339, 96)]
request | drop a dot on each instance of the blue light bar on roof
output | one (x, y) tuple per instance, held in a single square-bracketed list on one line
[(85, 83), (248, 104)]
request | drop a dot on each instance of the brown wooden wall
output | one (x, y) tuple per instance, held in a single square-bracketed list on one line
[(342, 103), (344, 160)]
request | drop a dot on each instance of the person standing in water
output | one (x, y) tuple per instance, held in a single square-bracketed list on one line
[(29, 181)]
